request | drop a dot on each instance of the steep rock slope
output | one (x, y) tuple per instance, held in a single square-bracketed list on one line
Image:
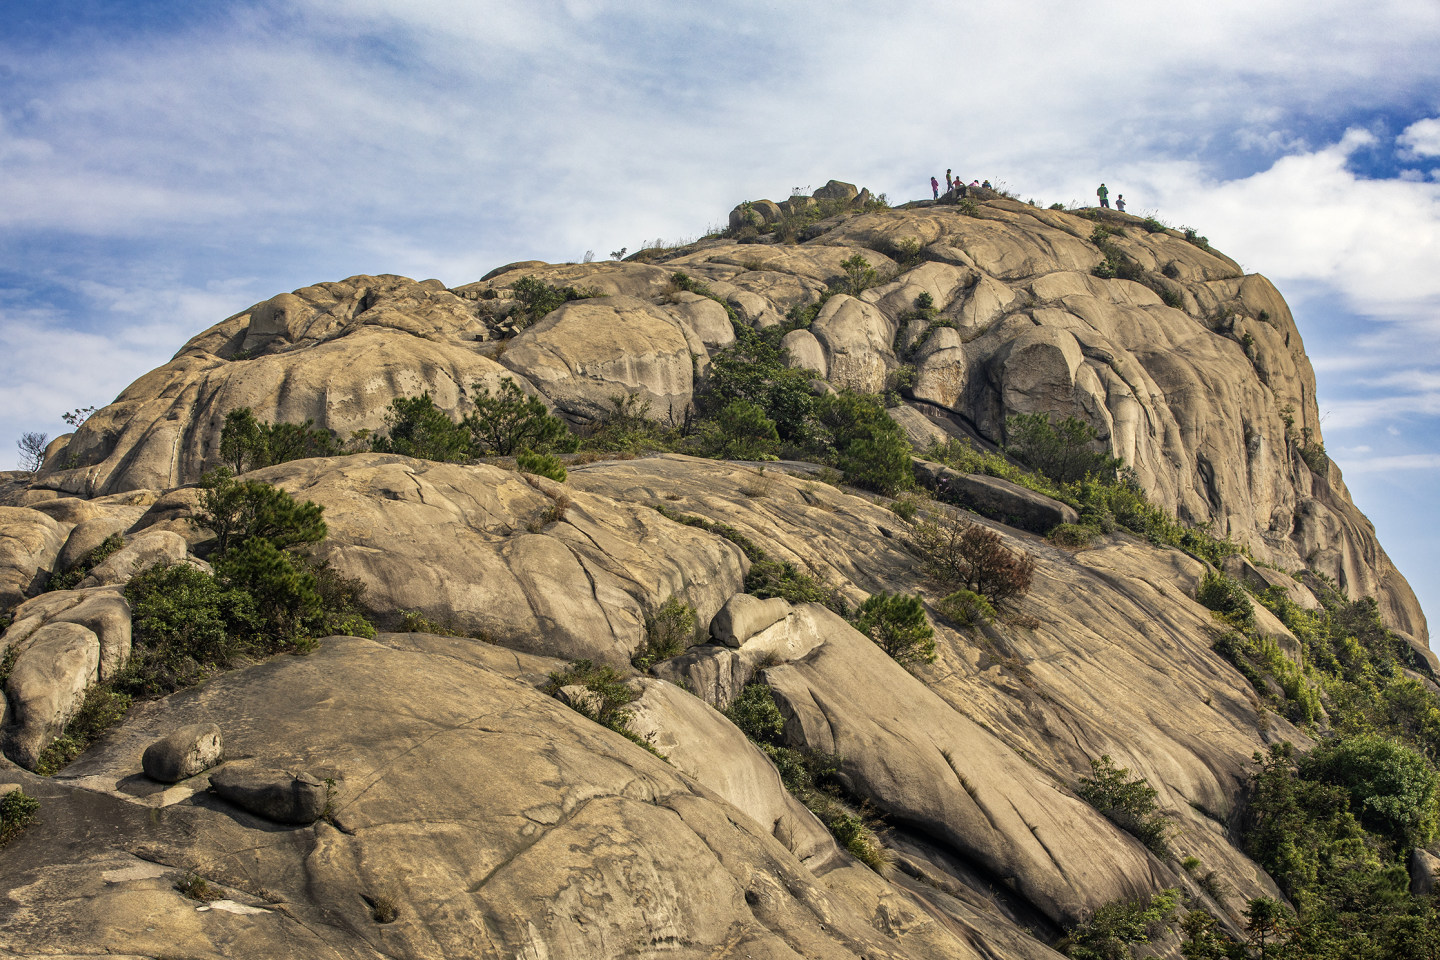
[(497, 822)]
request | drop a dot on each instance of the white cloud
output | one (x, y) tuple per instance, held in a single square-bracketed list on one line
[(1415, 461), (1422, 138)]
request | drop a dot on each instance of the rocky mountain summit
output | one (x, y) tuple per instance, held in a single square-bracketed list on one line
[(655, 697)]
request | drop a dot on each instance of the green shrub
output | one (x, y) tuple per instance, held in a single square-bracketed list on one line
[(536, 298), (17, 811), (101, 709), (754, 368), (1227, 597), (668, 632), (281, 586), (612, 697), (511, 421), (1114, 927), (1391, 788), (415, 427), (627, 428), (755, 713), (809, 776), (240, 510), (1129, 804), (72, 577), (781, 578), (741, 431), (542, 465), (966, 608), (898, 625), (869, 447), (1072, 535), (1060, 451), (184, 626), (249, 444), (859, 275), (957, 553)]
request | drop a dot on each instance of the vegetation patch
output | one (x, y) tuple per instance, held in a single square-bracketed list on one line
[(669, 631), (71, 578), (957, 553), (609, 700), (1115, 929), (898, 625), (809, 776), (534, 299), (1130, 804), (249, 444), (17, 811)]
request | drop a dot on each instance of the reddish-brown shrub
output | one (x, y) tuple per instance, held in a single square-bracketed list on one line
[(958, 554)]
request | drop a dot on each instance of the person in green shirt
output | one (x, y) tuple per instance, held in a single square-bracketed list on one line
[(1104, 196)]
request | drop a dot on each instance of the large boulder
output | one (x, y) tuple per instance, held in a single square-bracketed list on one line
[(995, 498), (30, 543), (517, 559), (588, 352), (187, 752)]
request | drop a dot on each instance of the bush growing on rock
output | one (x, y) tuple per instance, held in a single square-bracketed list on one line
[(535, 298), (898, 625), (810, 777), (17, 811), (1061, 451), (966, 608), (541, 464), (240, 510), (869, 447), (1114, 928), (68, 579), (957, 553), (1227, 597), (1129, 804), (668, 632), (511, 421), (249, 444), (610, 697), (740, 431), (415, 427)]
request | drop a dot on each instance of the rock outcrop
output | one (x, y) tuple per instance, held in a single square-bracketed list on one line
[(433, 796)]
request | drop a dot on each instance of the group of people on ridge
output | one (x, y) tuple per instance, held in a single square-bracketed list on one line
[(953, 183), (1104, 194)]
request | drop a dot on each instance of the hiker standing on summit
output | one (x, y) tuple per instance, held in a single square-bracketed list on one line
[(935, 187), (1104, 196)]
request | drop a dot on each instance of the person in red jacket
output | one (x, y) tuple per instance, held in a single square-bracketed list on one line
[(935, 187)]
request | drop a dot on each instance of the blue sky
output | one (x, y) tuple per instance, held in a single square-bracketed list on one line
[(164, 164)]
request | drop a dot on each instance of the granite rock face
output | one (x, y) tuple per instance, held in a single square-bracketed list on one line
[(436, 776)]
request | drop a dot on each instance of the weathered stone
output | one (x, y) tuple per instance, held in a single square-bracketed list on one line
[(590, 351), (46, 686), (743, 616), (188, 751), (273, 794), (805, 351), (836, 190), (1424, 869), (856, 336), (1262, 578), (29, 544), (139, 554), (995, 498)]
